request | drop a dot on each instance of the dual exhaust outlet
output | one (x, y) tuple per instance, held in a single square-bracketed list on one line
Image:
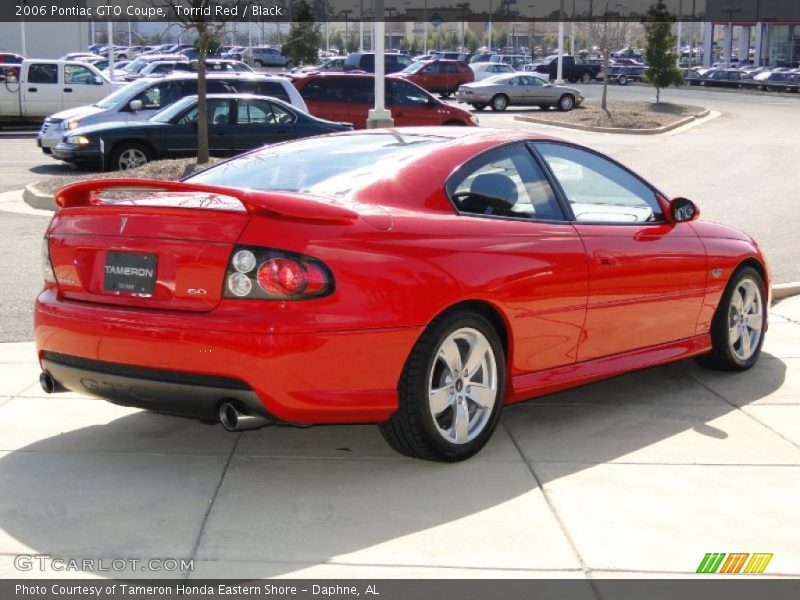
[(231, 415)]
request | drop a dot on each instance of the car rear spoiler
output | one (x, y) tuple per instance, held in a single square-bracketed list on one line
[(283, 204)]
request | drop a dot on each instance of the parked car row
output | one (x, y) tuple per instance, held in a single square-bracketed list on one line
[(782, 79)]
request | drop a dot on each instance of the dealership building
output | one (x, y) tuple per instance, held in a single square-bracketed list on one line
[(772, 44)]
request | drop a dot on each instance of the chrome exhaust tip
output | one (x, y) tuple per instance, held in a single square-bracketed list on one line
[(49, 384), (234, 419)]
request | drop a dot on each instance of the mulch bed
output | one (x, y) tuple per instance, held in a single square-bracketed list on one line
[(169, 170), (628, 115)]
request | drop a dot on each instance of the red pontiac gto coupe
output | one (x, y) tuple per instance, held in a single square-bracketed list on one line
[(416, 278)]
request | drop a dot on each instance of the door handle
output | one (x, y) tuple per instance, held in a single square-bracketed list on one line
[(33, 89), (68, 90), (605, 259)]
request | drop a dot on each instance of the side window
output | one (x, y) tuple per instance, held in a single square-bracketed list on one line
[(598, 190), (219, 111), (323, 90), (75, 74), (449, 68), (368, 63), (274, 89), (258, 112), (359, 90), (402, 94), (433, 68), (43, 73), (507, 183)]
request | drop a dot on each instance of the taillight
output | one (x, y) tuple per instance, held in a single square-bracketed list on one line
[(269, 274), (47, 266)]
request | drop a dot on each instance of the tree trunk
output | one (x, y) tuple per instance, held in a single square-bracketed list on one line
[(658, 95), (606, 62), (202, 106)]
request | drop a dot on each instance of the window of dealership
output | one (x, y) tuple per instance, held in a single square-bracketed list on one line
[(783, 45)]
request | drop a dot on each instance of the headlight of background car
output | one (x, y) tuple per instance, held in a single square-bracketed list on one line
[(70, 124), (79, 140), (474, 120)]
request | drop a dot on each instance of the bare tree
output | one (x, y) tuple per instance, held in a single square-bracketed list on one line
[(204, 19), (607, 36)]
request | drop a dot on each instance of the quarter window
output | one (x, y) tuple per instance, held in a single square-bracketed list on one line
[(505, 183), (598, 190)]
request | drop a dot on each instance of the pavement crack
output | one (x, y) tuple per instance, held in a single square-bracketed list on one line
[(207, 515), (551, 505)]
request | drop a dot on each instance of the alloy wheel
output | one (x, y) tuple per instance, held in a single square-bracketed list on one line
[(463, 386), (745, 319), (132, 158)]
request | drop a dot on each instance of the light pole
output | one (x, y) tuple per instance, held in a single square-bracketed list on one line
[(491, 13), (560, 65), (360, 25), (680, 16), (346, 13), (379, 116), (572, 31), (729, 41), (463, 6)]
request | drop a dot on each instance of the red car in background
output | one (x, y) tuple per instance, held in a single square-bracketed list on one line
[(418, 278), (11, 57), (438, 76), (349, 97)]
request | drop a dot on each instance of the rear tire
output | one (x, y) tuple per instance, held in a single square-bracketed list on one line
[(586, 78), (737, 329), (478, 106), (499, 103), (544, 107), (441, 417), (258, 63), (623, 80)]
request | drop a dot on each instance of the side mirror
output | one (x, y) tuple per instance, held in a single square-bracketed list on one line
[(683, 210), (135, 105), (97, 80)]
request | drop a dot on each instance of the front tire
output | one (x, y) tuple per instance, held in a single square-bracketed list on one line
[(129, 155), (451, 390), (623, 80), (566, 103), (499, 103), (478, 106), (586, 78), (737, 329)]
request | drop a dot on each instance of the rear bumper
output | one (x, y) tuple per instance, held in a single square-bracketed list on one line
[(299, 377), (170, 392)]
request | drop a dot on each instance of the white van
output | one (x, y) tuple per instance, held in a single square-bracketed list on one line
[(141, 99), (43, 87)]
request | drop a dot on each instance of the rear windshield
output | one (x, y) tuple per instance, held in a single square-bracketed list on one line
[(331, 166)]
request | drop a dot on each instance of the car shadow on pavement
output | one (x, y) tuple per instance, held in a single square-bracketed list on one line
[(280, 499)]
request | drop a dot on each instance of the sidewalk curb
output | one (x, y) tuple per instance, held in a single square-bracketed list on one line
[(35, 198), (785, 290), (592, 128)]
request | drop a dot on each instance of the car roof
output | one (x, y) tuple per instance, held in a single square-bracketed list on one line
[(245, 75)]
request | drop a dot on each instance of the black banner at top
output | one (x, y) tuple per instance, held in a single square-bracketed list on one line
[(432, 11)]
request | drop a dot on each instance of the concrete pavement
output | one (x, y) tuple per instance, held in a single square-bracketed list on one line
[(637, 476)]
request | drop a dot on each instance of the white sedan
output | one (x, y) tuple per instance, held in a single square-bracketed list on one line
[(485, 70)]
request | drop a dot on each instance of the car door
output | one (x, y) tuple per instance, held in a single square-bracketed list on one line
[(646, 276), (259, 122), (359, 98), (80, 86), (431, 77), (181, 139), (43, 90), (325, 98), (527, 252), (411, 106), (515, 90), (535, 90)]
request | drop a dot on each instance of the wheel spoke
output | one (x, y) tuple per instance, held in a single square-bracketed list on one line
[(755, 322), (745, 343), (749, 296), (475, 356), (461, 423), (440, 399), (734, 333), (451, 355), (481, 395), (738, 301)]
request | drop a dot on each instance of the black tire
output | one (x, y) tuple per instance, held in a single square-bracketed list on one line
[(132, 148), (478, 106), (544, 107), (586, 77), (723, 356), (499, 103), (566, 103), (258, 63), (454, 123), (622, 80), (412, 430)]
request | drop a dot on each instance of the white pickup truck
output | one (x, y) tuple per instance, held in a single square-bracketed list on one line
[(42, 87)]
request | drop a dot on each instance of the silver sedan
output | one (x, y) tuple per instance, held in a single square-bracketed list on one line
[(518, 89)]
